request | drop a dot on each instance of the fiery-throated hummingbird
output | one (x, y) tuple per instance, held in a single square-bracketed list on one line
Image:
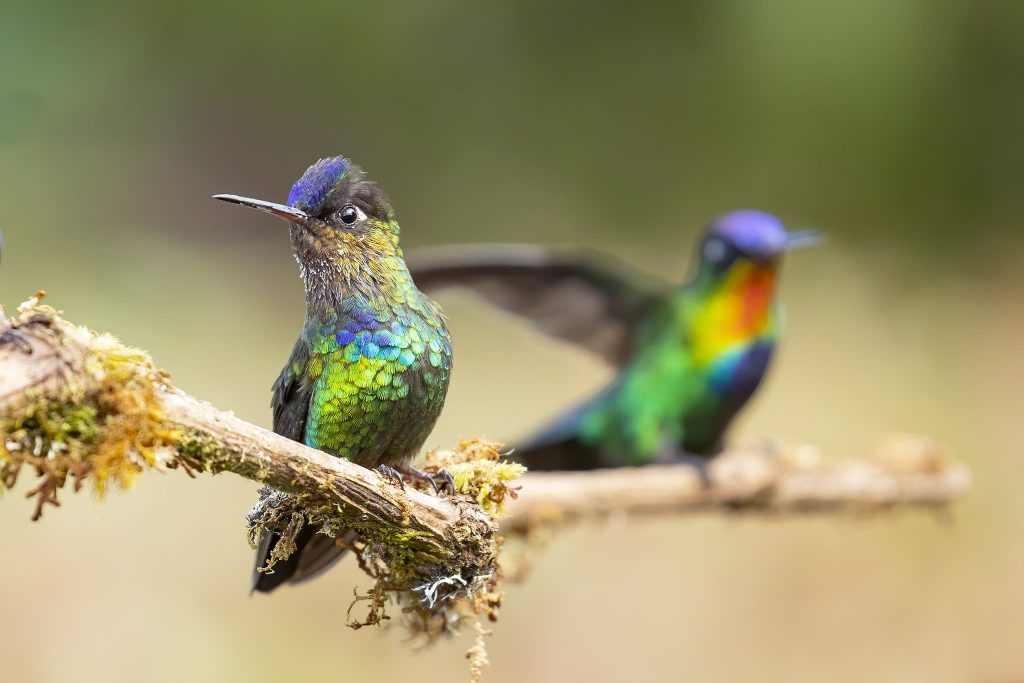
[(368, 375), (688, 357)]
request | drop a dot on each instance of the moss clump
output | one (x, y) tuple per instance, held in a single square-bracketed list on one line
[(393, 553), (103, 426), (479, 470), (434, 597)]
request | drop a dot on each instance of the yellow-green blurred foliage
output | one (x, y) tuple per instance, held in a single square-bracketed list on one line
[(893, 126)]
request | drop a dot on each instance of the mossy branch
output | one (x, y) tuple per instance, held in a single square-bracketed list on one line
[(106, 412), (79, 407)]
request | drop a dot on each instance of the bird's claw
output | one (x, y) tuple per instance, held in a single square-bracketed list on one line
[(15, 337), (392, 475), (443, 479), (439, 481)]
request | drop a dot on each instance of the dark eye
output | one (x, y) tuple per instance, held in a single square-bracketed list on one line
[(719, 253), (715, 250), (349, 215)]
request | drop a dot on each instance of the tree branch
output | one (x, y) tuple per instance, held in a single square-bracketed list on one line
[(449, 534), (76, 405), (905, 471)]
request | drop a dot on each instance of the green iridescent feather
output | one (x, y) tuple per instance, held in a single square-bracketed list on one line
[(368, 376)]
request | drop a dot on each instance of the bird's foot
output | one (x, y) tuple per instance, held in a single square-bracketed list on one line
[(392, 475), (15, 337), (439, 481)]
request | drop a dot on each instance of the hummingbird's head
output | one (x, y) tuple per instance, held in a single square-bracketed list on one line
[(747, 236), (337, 218)]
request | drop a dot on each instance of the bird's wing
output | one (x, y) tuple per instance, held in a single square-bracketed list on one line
[(290, 404), (290, 401), (582, 297)]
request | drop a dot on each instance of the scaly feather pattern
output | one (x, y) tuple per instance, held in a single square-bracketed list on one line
[(368, 375)]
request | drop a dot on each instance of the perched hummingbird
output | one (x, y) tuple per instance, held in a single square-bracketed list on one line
[(689, 357), (369, 373)]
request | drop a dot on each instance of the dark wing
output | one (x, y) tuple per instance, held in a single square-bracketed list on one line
[(578, 296), (314, 552), (290, 401)]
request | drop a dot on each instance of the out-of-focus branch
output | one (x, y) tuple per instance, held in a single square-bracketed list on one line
[(905, 471)]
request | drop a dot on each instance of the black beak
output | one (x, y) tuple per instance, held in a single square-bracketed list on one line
[(282, 211), (800, 239)]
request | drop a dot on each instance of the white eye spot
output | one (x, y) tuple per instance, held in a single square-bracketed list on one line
[(714, 250)]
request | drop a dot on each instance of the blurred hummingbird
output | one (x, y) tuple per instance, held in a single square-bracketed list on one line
[(368, 375), (688, 357)]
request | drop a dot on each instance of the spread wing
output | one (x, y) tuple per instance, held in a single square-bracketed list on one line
[(578, 296)]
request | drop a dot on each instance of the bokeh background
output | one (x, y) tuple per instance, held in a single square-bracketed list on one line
[(893, 126)]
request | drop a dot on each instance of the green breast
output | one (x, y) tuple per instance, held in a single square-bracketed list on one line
[(379, 377)]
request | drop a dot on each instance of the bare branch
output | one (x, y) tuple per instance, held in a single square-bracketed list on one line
[(905, 471)]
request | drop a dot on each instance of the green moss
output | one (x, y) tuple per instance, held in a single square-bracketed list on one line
[(479, 470), (406, 560), (202, 451)]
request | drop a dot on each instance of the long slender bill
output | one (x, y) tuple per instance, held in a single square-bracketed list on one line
[(282, 211), (800, 239)]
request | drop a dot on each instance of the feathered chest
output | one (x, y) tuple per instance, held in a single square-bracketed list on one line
[(378, 375), (377, 347), (735, 315)]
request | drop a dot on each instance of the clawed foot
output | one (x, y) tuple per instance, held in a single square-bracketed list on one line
[(13, 336), (438, 481), (392, 475)]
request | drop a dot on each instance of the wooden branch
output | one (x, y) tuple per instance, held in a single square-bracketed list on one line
[(905, 471), (50, 369), (456, 530)]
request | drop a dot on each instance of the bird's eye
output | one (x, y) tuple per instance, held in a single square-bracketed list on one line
[(350, 214), (715, 250)]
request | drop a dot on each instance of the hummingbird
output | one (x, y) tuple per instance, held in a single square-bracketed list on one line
[(368, 375), (688, 357)]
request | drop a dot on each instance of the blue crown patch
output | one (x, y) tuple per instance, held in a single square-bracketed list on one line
[(311, 190)]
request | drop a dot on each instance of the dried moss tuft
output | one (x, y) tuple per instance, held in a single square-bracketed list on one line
[(103, 428), (99, 422), (435, 599), (480, 470)]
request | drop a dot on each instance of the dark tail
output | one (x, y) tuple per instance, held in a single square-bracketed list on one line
[(567, 455), (314, 554), (557, 446)]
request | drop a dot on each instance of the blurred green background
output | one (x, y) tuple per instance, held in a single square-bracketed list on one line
[(893, 126)]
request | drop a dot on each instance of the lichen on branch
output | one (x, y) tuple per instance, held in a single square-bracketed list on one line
[(102, 424), (78, 408)]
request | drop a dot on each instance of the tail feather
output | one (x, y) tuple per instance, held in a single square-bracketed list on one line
[(558, 447), (566, 455), (314, 554)]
